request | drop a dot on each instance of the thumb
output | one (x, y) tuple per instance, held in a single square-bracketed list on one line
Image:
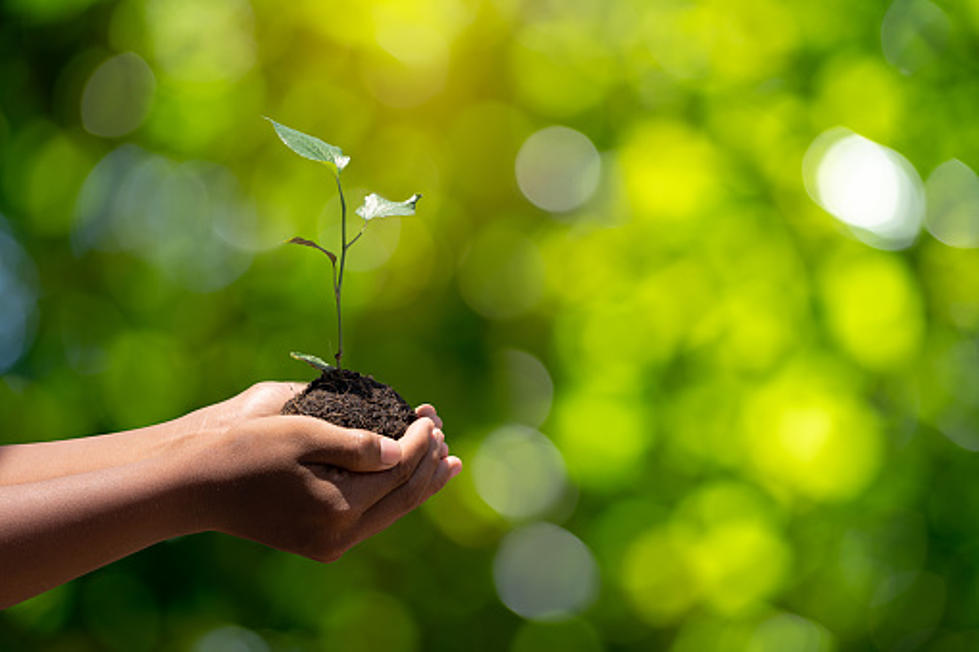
[(353, 450)]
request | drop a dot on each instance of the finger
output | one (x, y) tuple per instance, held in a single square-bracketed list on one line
[(443, 447), (347, 448), (452, 466), (428, 410), (418, 443), (430, 476), (455, 465)]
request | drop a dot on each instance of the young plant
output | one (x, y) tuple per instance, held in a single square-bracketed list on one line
[(374, 207)]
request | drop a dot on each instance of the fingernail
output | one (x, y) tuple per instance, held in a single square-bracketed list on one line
[(390, 451), (439, 434), (455, 471)]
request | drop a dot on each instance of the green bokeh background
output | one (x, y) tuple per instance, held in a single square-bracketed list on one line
[(768, 425)]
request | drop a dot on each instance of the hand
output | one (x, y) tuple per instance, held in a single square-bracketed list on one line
[(309, 487), (292, 482)]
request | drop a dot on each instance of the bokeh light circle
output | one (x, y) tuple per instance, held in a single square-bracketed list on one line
[(574, 635), (721, 549), (914, 34), (873, 308), (18, 300), (527, 387), (370, 621), (230, 638), (953, 204), (558, 169), (201, 40), (868, 187), (518, 472), (543, 572), (657, 577), (558, 67), (785, 631), (190, 220), (117, 96), (501, 274), (602, 437), (810, 434)]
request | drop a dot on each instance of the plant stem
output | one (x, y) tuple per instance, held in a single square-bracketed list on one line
[(338, 284), (356, 237)]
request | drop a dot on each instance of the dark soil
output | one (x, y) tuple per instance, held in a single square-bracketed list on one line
[(348, 399)]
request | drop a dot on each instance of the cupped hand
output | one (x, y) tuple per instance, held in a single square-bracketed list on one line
[(306, 486)]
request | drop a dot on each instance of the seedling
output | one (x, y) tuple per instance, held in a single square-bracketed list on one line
[(374, 207)]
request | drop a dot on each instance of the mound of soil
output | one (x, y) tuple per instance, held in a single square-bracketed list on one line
[(348, 399)]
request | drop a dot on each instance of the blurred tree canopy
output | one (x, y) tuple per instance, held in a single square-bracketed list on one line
[(694, 285)]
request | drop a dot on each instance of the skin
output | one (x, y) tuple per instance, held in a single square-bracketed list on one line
[(294, 483)]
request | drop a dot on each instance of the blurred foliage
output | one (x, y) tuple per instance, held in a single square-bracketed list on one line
[(765, 417)]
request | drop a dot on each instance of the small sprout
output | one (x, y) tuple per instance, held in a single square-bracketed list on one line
[(377, 206), (374, 206), (312, 361)]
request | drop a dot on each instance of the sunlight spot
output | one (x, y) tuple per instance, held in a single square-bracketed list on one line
[(867, 186)]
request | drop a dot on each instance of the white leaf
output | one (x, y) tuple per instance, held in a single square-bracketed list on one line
[(377, 206)]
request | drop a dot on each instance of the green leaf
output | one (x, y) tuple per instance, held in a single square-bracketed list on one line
[(310, 243), (309, 146), (377, 206), (312, 361)]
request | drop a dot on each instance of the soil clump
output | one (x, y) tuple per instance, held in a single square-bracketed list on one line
[(348, 399)]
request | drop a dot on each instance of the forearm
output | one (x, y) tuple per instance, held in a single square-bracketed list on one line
[(36, 462), (24, 463), (57, 529)]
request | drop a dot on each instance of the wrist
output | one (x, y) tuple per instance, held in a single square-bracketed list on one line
[(193, 453)]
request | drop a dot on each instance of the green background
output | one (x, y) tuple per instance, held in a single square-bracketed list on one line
[(764, 426)]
